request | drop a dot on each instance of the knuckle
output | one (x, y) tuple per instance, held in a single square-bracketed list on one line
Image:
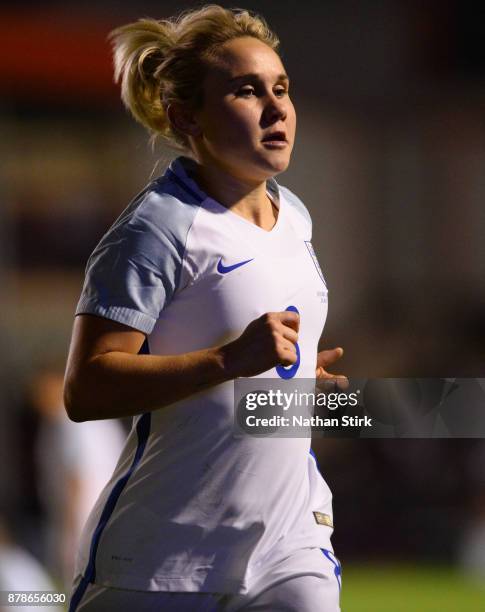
[(281, 353), (287, 353), (268, 318)]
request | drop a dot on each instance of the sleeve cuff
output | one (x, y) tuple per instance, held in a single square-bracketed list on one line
[(133, 318)]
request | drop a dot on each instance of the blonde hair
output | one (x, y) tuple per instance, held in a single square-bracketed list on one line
[(160, 62)]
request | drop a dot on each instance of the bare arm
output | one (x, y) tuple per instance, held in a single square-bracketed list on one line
[(107, 378)]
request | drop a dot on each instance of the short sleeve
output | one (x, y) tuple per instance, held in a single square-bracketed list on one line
[(135, 270)]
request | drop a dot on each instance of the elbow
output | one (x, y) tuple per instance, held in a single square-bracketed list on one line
[(73, 402)]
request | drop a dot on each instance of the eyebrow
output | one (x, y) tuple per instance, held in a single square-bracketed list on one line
[(254, 76)]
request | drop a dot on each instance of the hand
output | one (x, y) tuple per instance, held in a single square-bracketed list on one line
[(266, 342), (326, 380)]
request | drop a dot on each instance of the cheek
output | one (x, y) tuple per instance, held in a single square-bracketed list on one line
[(291, 118), (231, 125)]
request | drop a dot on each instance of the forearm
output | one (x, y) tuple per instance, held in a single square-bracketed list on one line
[(117, 384)]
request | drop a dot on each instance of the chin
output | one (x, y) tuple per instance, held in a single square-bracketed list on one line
[(277, 159), (276, 166), (262, 166)]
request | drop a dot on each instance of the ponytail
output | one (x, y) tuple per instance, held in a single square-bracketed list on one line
[(139, 49)]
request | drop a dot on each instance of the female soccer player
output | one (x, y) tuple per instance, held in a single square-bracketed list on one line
[(208, 275)]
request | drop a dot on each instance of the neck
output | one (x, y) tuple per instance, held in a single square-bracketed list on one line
[(243, 197)]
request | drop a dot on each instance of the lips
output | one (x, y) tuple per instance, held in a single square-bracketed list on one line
[(274, 137)]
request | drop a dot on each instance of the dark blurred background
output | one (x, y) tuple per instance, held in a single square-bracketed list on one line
[(390, 161)]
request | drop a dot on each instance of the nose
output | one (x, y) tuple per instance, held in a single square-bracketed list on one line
[(274, 110)]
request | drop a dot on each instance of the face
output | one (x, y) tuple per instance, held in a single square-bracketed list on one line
[(247, 121)]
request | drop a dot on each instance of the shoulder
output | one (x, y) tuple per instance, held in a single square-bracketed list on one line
[(139, 263), (297, 209), (161, 209), (161, 215)]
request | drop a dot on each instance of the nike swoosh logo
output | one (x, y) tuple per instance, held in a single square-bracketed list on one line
[(222, 269)]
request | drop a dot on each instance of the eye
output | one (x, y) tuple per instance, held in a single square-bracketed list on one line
[(280, 92), (246, 92)]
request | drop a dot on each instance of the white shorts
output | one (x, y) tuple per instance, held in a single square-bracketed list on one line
[(308, 580)]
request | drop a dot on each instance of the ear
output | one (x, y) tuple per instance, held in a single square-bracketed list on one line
[(183, 120)]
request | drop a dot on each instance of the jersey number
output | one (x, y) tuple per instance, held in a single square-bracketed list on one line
[(290, 371)]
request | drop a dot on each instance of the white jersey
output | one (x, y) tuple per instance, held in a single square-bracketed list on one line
[(191, 506)]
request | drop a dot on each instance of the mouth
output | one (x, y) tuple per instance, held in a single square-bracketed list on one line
[(275, 140)]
